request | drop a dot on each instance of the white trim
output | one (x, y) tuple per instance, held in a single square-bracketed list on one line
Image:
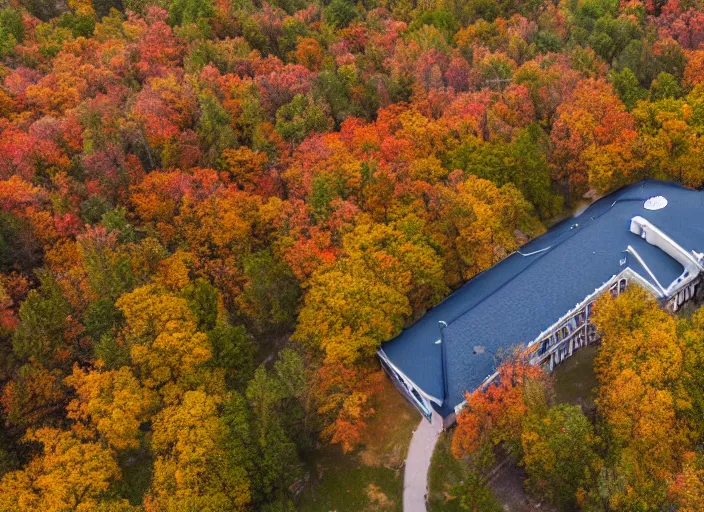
[(626, 273), (640, 225), (382, 355), (662, 292), (690, 285), (598, 291), (691, 263), (641, 280)]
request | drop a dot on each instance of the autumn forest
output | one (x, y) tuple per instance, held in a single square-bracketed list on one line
[(213, 212)]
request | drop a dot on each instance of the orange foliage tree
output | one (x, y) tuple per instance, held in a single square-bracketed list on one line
[(494, 414)]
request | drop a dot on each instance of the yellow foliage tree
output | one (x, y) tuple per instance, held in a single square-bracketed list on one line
[(637, 335), (348, 315), (192, 469), (480, 224), (164, 342), (639, 367), (111, 402), (70, 474)]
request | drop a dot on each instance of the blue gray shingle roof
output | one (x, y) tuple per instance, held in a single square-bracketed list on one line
[(514, 301)]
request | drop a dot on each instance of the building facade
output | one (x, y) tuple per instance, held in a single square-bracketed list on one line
[(649, 234)]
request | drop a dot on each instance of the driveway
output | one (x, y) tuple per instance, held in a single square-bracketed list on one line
[(415, 477)]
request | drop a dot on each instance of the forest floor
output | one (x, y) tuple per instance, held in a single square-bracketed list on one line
[(507, 485), (369, 479)]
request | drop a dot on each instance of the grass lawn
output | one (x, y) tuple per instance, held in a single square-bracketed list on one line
[(445, 471), (371, 478), (575, 381)]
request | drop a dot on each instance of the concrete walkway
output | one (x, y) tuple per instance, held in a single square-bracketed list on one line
[(415, 477)]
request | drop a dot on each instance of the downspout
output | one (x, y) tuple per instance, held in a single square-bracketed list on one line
[(443, 360)]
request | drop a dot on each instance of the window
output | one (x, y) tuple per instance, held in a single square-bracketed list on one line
[(412, 393), (591, 333), (545, 345), (424, 407), (622, 286), (614, 290)]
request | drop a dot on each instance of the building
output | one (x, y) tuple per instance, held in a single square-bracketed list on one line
[(540, 297)]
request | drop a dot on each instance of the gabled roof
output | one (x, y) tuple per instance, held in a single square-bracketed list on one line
[(514, 301)]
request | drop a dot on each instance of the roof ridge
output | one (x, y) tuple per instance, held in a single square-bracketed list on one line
[(519, 297), (543, 252)]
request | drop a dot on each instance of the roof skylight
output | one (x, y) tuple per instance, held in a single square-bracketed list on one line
[(655, 203)]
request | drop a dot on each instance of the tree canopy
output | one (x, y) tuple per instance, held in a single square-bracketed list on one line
[(212, 214)]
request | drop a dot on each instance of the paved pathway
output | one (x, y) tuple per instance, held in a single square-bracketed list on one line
[(415, 476)]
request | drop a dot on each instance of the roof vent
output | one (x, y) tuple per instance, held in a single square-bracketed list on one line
[(655, 203)]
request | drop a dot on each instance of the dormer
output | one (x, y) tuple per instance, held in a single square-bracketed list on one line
[(691, 263)]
